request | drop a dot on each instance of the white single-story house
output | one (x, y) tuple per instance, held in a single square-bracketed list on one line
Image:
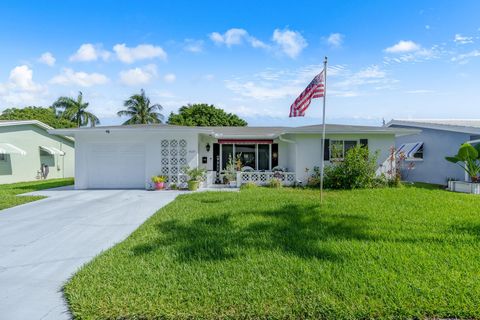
[(28, 152), (426, 151), (128, 156)]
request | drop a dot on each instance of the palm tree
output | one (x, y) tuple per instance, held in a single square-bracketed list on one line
[(75, 110), (140, 111)]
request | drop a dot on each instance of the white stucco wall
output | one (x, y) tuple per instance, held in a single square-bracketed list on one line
[(308, 149), (150, 140)]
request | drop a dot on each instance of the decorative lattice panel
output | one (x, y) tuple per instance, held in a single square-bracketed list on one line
[(173, 160)]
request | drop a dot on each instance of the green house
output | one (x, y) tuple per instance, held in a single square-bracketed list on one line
[(28, 152)]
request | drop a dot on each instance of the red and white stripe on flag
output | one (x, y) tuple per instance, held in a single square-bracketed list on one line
[(315, 89)]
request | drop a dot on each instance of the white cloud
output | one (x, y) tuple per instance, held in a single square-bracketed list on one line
[(464, 58), (291, 42), (20, 87), (420, 91), (83, 79), (264, 91), (195, 46), (462, 39), (335, 40), (236, 36), (420, 55), (138, 76), (90, 52), (170, 78), (287, 84), (403, 46), (22, 77), (48, 59), (140, 52)]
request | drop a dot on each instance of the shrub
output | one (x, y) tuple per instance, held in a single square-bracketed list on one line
[(248, 185), (274, 183), (356, 170)]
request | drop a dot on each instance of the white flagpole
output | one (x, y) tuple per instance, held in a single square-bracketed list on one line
[(323, 129)]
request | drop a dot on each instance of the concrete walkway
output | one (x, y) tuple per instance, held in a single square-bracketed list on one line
[(43, 243)]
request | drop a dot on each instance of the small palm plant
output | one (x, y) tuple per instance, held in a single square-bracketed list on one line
[(468, 158), (75, 110), (140, 111)]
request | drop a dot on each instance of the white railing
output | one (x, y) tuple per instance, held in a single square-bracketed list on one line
[(262, 178)]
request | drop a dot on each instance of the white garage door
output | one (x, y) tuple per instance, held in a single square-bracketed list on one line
[(114, 165)]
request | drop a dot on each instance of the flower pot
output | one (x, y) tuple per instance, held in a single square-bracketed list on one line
[(193, 185), (232, 184), (159, 185)]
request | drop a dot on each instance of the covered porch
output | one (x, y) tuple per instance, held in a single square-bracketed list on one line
[(257, 160)]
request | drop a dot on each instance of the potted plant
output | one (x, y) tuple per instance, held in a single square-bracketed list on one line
[(231, 172), (159, 182), (468, 158), (195, 176)]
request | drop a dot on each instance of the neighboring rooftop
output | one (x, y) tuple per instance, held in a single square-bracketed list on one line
[(471, 126)]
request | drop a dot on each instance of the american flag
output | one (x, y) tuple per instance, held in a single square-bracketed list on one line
[(315, 89)]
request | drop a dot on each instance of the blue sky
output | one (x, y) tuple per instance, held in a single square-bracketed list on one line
[(388, 59)]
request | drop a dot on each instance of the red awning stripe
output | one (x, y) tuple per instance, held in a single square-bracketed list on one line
[(244, 141)]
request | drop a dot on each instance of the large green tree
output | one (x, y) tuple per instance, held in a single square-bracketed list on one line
[(45, 115), (139, 110), (75, 110), (204, 115)]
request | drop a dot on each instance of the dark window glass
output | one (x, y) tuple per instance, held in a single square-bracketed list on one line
[(263, 157), (246, 152), (349, 145), (227, 151), (274, 155), (419, 153), (216, 154)]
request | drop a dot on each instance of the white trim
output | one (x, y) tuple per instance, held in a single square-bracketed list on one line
[(8, 148), (429, 124), (52, 150), (24, 122)]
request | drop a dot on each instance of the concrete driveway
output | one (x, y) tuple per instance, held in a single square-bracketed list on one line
[(43, 243)]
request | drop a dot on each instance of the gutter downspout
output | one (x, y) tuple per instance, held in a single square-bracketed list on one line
[(286, 140)]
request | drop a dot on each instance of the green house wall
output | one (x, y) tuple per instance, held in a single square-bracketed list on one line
[(29, 137)]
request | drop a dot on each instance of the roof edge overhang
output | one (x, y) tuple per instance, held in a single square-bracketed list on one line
[(443, 127)]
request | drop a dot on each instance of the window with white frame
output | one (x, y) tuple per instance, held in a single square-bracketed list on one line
[(338, 148)]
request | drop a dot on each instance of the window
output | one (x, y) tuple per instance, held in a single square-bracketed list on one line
[(419, 153), (227, 152), (246, 153), (263, 157), (274, 155), (338, 148), (3, 157)]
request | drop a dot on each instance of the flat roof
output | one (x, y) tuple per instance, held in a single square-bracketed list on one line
[(250, 131), (470, 126)]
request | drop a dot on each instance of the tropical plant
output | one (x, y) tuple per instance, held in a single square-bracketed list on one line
[(140, 110), (203, 115), (468, 158), (159, 179), (356, 170), (45, 115), (75, 110), (230, 170), (274, 183), (195, 174)]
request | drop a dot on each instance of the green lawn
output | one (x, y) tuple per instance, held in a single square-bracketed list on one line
[(412, 252), (9, 192)]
